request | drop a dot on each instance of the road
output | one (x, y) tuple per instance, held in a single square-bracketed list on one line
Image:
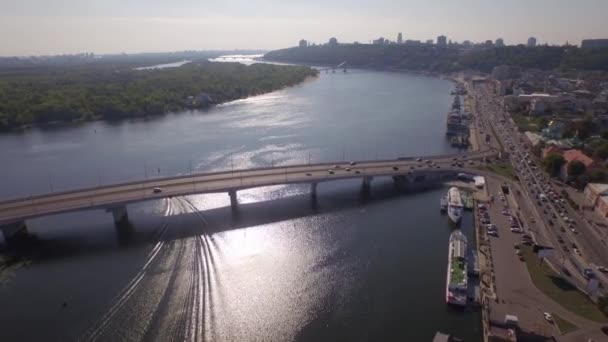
[(563, 228), (121, 194)]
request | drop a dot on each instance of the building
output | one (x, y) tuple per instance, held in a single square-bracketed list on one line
[(554, 131), (594, 43), (333, 41), (442, 41), (575, 155), (551, 149), (531, 42), (399, 38), (378, 41), (500, 42), (596, 196), (429, 42), (505, 72), (303, 43)]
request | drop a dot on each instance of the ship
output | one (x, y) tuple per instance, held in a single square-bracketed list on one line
[(444, 203), (454, 205), (456, 286), (456, 122)]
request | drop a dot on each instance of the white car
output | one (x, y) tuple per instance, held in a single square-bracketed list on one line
[(548, 317)]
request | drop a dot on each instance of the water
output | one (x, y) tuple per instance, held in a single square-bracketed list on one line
[(163, 66), (281, 268)]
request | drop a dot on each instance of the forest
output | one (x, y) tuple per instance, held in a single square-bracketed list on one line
[(433, 59), (113, 91)]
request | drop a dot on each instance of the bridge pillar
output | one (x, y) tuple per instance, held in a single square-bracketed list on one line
[(120, 214), (233, 200), (313, 190), (11, 231), (367, 183)]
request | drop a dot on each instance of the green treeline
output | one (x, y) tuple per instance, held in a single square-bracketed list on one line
[(431, 58), (109, 92)]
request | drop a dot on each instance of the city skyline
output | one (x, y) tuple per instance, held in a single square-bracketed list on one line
[(36, 27)]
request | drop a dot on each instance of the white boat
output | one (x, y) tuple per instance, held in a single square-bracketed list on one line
[(454, 205), (457, 283), (444, 203)]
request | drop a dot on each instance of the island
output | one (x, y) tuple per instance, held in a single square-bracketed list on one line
[(105, 90)]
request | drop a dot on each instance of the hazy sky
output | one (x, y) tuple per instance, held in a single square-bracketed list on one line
[(105, 26)]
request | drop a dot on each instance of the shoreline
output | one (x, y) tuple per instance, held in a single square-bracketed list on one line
[(99, 118)]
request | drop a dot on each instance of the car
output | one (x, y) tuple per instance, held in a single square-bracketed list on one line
[(395, 168), (308, 174), (548, 317), (357, 171), (516, 230), (493, 233), (602, 269), (157, 190), (428, 161), (418, 159), (412, 167), (347, 169), (577, 251), (331, 172), (336, 166), (526, 236), (516, 246), (560, 240), (352, 163), (588, 273), (550, 222), (527, 242)]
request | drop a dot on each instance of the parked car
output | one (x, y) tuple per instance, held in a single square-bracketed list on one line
[(548, 317), (157, 190)]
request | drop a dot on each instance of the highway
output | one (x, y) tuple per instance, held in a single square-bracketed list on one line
[(121, 194), (554, 223)]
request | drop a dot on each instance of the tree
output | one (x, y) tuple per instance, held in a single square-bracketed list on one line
[(598, 175), (552, 163), (601, 152), (576, 168)]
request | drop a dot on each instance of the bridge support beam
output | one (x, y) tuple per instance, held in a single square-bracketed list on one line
[(313, 190), (11, 231), (233, 200), (367, 184), (120, 214)]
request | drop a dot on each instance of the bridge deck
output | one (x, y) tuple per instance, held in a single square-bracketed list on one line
[(121, 194)]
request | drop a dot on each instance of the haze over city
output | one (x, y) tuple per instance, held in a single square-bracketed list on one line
[(41, 27)]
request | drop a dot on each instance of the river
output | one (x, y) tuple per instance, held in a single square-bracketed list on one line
[(281, 268)]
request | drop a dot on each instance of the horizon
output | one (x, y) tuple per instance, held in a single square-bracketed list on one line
[(60, 27)]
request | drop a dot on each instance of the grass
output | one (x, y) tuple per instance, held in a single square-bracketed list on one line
[(563, 325), (502, 169), (558, 289), (527, 123)]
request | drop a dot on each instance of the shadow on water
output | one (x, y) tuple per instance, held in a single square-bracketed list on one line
[(218, 220)]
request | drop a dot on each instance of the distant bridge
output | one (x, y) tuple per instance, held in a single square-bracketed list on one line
[(115, 198)]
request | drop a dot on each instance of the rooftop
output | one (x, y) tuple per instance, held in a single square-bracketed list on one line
[(572, 155), (598, 188)]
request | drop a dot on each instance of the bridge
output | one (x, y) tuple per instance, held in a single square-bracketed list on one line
[(415, 172)]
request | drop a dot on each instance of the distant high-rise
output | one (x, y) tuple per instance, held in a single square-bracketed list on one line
[(333, 41), (429, 42), (594, 43), (399, 38), (531, 42), (303, 43), (500, 42), (442, 41)]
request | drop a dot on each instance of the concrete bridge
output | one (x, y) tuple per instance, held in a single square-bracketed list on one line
[(407, 172)]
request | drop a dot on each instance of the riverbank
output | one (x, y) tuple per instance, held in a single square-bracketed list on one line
[(100, 92)]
